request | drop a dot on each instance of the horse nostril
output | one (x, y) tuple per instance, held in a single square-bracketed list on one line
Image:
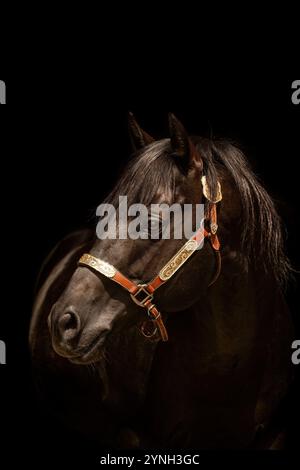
[(69, 325)]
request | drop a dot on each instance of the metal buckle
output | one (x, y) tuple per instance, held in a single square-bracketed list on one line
[(141, 301), (213, 228), (149, 334), (149, 312)]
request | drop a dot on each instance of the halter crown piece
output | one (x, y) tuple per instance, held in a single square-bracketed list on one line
[(143, 294)]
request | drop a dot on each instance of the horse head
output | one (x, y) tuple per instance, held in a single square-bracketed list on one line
[(92, 309)]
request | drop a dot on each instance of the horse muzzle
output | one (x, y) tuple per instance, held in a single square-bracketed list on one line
[(68, 339)]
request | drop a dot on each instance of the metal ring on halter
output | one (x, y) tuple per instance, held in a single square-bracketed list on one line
[(148, 335)]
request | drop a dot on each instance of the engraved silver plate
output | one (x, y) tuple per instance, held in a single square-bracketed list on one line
[(178, 260), (101, 266), (206, 191)]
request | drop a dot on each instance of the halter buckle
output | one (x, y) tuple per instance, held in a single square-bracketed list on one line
[(150, 314), (141, 296), (213, 228)]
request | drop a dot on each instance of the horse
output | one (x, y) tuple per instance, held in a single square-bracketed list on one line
[(208, 364)]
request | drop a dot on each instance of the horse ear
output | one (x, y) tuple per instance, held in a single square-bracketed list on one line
[(181, 143), (139, 138)]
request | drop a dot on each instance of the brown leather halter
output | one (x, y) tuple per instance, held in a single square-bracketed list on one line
[(143, 294)]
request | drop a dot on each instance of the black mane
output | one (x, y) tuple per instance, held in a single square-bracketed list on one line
[(261, 229)]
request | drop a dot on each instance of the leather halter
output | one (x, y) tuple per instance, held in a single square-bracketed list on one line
[(143, 294)]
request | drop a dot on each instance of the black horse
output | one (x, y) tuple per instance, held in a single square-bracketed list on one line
[(225, 370)]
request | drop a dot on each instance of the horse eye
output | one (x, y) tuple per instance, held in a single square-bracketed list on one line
[(154, 228)]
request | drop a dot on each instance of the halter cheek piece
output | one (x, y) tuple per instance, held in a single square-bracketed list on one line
[(143, 294)]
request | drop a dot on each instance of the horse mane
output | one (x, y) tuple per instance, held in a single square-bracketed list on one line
[(261, 229), (262, 239)]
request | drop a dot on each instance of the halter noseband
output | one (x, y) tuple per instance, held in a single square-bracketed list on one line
[(143, 294)]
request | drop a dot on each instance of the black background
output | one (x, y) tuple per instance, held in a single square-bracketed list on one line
[(64, 142)]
